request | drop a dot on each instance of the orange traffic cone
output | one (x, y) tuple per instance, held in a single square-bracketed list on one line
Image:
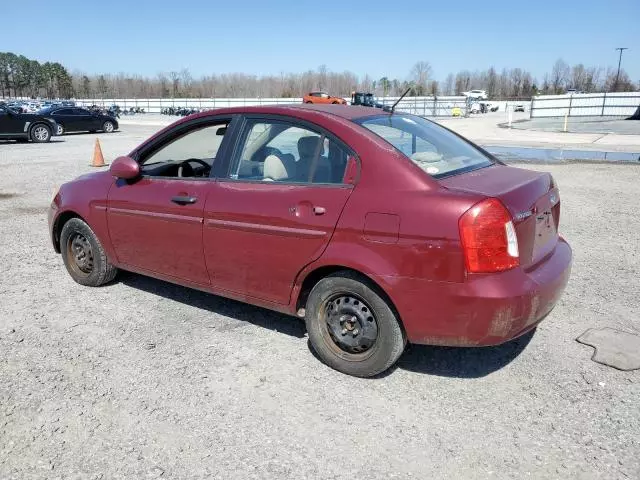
[(98, 159)]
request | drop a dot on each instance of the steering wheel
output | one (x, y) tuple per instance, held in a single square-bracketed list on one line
[(184, 167), (264, 152)]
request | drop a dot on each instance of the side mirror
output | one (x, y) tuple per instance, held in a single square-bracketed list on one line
[(125, 167)]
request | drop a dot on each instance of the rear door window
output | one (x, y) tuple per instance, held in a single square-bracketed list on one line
[(280, 151)]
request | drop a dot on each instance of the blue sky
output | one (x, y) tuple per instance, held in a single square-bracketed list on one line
[(374, 37)]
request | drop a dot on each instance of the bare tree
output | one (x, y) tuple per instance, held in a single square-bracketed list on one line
[(578, 77), (592, 79), (322, 77), (187, 82), (624, 83), (516, 76), (420, 74), (559, 76), (492, 83), (434, 90), (175, 83), (449, 85)]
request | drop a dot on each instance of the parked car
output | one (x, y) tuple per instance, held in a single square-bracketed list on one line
[(479, 94), (15, 125), (518, 107), (322, 97), (75, 119), (377, 228)]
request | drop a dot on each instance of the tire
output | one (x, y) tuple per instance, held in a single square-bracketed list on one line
[(40, 133), (335, 103), (354, 298), (84, 256), (59, 130), (108, 127), (308, 101)]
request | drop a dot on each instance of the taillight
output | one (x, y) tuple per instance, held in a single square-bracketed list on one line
[(489, 238)]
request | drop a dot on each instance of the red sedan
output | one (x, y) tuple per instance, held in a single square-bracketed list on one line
[(377, 228)]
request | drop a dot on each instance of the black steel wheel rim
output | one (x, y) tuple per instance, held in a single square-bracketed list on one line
[(80, 254), (350, 323)]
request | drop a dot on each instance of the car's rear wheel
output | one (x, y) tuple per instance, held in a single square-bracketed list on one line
[(40, 133), (59, 129), (84, 256), (335, 102), (351, 326), (308, 101), (108, 127)]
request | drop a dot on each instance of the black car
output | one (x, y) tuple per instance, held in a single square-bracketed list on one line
[(19, 126), (75, 119)]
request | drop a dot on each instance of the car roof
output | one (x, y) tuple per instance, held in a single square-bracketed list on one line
[(348, 112)]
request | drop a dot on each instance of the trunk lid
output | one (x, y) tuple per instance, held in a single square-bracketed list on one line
[(531, 198)]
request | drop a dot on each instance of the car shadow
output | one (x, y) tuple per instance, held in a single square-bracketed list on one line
[(462, 362), (243, 312), (98, 132), (24, 144), (455, 362)]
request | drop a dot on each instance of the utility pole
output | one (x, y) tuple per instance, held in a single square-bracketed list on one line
[(615, 85)]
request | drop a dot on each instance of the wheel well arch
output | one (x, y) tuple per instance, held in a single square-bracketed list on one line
[(63, 218), (314, 276)]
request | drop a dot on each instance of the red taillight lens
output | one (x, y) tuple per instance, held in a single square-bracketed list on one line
[(489, 238)]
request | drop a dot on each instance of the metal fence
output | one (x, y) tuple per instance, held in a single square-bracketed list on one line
[(424, 106), (615, 104)]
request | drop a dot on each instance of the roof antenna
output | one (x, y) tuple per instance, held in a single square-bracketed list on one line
[(393, 107)]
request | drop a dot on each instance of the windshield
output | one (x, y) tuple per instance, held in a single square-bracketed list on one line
[(436, 150)]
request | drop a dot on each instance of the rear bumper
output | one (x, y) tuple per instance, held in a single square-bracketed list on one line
[(487, 309)]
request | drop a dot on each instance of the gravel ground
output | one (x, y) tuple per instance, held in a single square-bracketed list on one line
[(143, 379)]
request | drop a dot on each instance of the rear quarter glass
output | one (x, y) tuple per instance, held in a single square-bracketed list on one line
[(434, 149)]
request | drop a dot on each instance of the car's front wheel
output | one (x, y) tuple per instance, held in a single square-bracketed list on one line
[(108, 127), (59, 129), (351, 326), (84, 256), (40, 133)]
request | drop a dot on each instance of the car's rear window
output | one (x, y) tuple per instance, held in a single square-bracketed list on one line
[(436, 150)]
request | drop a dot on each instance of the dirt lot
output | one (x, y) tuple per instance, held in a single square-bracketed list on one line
[(143, 379)]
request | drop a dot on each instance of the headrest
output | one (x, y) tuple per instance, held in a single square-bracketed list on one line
[(275, 169), (307, 146)]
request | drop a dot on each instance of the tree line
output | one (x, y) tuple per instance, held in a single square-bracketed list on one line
[(22, 77)]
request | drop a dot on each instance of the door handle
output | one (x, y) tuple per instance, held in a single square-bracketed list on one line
[(184, 200), (319, 210)]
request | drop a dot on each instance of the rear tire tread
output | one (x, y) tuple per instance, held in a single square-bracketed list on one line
[(391, 340)]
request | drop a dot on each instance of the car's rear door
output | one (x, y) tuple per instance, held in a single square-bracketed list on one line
[(65, 118), (261, 228), (84, 120), (155, 223)]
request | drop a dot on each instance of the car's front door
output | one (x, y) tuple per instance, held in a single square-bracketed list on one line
[(10, 123), (276, 210), (155, 223)]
